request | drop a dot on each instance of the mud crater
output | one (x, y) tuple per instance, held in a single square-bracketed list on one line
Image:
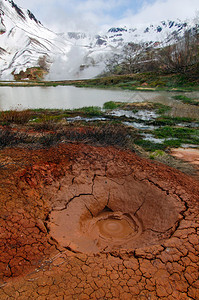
[(110, 208)]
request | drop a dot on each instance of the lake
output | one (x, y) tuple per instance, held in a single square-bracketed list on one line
[(69, 97)]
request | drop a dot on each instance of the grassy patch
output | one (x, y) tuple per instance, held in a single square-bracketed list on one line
[(161, 109), (128, 84), (149, 146), (178, 135), (89, 110), (156, 153), (186, 100), (145, 80), (172, 143), (174, 138), (167, 131), (111, 105)]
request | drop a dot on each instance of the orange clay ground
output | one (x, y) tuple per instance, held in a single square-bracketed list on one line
[(85, 222), (190, 155)]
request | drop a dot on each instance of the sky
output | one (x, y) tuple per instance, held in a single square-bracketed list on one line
[(100, 15)]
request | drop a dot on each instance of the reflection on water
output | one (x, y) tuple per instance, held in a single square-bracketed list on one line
[(69, 97)]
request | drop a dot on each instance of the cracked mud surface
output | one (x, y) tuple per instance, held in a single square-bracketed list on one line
[(82, 222)]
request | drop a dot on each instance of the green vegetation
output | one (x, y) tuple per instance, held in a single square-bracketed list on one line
[(55, 127), (45, 115), (167, 131), (138, 81), (186, 100), (156, 154), (149, 146), (168, 120), (173, 137), (161, 109), (144, 81), (89, 110), (45, 118), (133, 106), (177, 136), (172, 143), (111, 105)]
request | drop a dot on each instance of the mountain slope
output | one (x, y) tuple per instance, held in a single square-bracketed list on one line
[(25, 43), (24, 40), (100, 47)]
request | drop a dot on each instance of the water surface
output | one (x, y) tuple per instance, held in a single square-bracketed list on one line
[(69, 97)]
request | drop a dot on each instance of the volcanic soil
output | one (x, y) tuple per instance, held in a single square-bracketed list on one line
[(86, 222), (189, 155)]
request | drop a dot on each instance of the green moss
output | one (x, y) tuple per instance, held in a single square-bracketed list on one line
[(157, 83), (90, 110), (110, 105), (156, 153), (49, 118), (186, 100), (128, 83), (178, 135), (173, 143), (148, 145), (167, 131), (161, 108)]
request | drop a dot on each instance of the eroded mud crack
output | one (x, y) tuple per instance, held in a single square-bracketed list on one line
[(84, 222)]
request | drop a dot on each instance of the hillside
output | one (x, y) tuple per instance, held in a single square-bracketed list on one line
[(25, 44)]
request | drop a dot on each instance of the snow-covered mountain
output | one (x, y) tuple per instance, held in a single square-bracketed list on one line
[(118, 36), (102, 46), (24, 42)]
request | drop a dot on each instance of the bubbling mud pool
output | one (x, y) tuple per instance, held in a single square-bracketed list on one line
[(113, 210), (116, 226), (105, 231)]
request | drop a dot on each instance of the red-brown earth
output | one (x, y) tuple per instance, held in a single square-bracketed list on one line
[(85, 222), (189, 155)]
